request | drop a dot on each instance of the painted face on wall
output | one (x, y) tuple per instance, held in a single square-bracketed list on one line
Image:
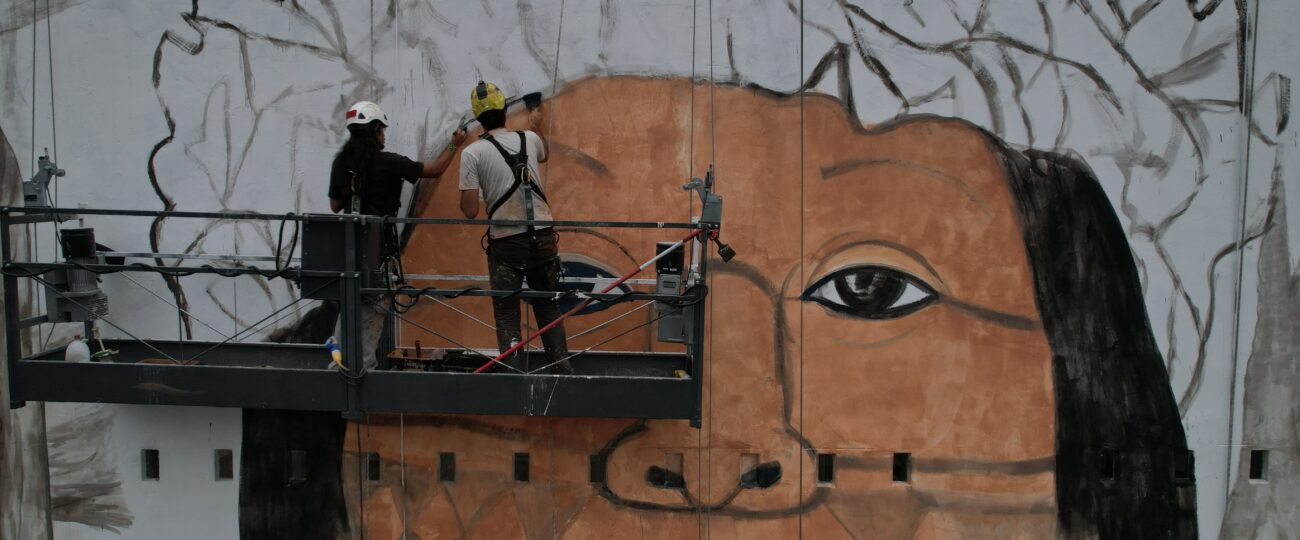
[(881, 304)]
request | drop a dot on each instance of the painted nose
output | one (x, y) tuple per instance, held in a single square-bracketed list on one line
[(763, 476)]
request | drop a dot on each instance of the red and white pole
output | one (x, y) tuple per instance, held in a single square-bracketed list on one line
[(587, 301)]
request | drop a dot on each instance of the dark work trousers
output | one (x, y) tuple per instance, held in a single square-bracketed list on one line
[(532, 256)]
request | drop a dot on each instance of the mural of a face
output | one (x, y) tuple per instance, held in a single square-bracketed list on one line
[(882, 303)]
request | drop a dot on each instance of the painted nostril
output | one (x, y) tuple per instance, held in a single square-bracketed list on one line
[(663, 478), (763, 476)]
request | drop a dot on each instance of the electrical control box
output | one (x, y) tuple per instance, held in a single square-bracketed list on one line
[(668, 280)]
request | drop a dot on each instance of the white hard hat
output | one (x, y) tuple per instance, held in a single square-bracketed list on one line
[(365, 112)]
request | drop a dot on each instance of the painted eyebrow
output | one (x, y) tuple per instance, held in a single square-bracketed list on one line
[(848, 166), (905, 250), (584, 159)]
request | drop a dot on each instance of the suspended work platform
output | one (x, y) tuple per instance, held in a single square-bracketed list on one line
[(340, 263), (296, 377)]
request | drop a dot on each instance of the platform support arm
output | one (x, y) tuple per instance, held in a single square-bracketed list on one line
[(350, 306)]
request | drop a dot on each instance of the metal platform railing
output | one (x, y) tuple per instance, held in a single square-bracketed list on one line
[(157, 371)]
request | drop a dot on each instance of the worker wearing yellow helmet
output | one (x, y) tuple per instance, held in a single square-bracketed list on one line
[(364, 179), (501, 170)]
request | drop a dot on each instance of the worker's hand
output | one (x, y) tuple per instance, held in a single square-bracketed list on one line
[(535, 119), (458, 137)]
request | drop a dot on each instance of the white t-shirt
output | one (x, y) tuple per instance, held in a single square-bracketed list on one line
[(483, 168)]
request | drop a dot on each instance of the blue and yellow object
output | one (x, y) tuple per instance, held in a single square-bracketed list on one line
[(336, 354)]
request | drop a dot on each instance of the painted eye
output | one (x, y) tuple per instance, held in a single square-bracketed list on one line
[(871, 292)]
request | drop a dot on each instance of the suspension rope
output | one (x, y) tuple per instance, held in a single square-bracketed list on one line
[(34, 291), (54, 126), (32, 126), (690, 212), (713, 164), (401, 464), (555, 87), (550, 132), (802, 122)]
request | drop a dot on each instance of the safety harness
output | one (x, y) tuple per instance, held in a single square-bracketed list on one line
[(523, 178), (389, 242), (356, 194)]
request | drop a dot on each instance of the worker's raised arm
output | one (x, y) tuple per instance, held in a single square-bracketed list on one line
[(439, 165)]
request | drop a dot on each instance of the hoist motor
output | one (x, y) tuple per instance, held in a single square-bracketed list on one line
[(672, 326), (73, 294)]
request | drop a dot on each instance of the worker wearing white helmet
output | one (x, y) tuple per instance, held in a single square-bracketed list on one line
[(364, 179), (501, 170)]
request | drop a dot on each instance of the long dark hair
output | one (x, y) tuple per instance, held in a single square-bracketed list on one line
[(359, 150), (1122, 465)]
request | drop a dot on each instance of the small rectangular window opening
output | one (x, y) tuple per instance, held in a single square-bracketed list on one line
[(673, 462), (903, 467), (149, 469), (1259, 465), (748, 462), (225, 464), (521, 467), (1106, 464), (596, 469), (297, 467), (372, 466), (826, 469), (446, 467)]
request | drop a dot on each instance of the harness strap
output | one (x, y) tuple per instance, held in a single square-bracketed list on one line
[(356, 194), (519, 168)]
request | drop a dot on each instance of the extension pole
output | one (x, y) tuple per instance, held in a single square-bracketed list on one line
[(586, 302)]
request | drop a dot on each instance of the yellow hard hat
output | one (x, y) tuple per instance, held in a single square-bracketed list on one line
[(486, 97)]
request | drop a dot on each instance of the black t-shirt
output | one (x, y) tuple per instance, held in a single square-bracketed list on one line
[(380, 187)]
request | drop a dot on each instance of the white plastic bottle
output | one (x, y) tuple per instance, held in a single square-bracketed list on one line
[(77, 351)]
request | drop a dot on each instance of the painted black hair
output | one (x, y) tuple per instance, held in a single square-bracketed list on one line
[(1122, 465), (492, 119), (272, 504)]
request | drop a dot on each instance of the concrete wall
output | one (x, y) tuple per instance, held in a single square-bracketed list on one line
[(1181, 111)]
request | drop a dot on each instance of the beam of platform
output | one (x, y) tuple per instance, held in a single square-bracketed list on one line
[(296, 377)]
